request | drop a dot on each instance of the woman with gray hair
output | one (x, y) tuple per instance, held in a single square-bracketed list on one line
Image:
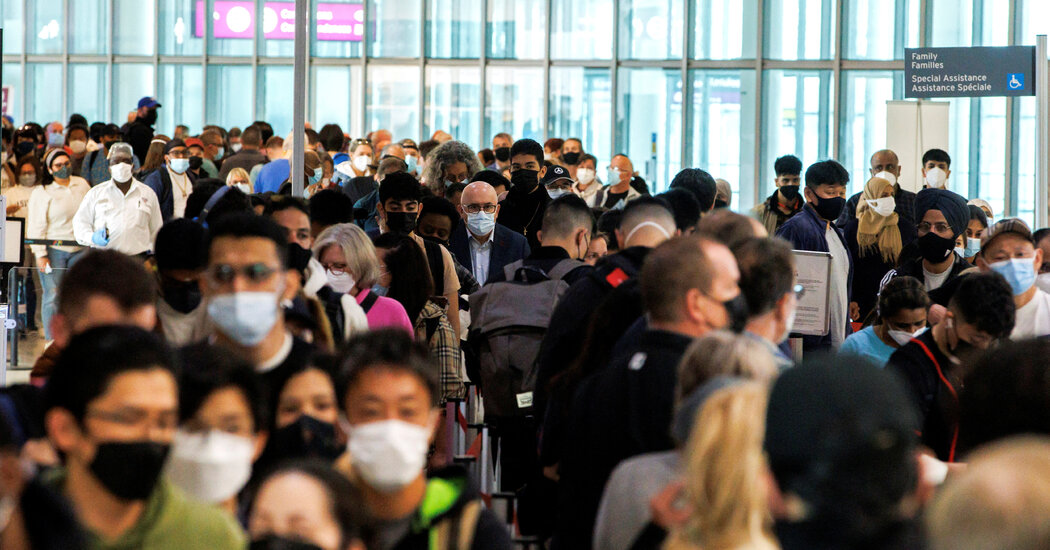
[(352, 268), (450, 163)]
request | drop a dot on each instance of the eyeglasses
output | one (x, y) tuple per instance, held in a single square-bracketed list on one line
[(475, 208), (939, 227), (224, 274), (336, 268)]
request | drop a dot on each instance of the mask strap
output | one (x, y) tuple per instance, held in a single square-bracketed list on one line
[(647, 224)]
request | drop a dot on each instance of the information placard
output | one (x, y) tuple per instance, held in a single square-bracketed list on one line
[(812, 271), (969, 72)]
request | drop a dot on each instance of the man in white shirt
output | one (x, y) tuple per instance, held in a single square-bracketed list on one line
[(120, 214), (1007, 249), (480, 244)]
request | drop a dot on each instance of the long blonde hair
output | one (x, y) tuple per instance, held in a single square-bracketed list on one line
[(724, 477)]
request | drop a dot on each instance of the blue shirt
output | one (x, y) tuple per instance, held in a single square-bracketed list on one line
[(868, 345), (272, 175)]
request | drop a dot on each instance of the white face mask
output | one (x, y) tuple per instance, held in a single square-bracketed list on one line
[(340, 282), (887, 176), (557, 193), (78, 146), (210, 466), (390, 454), (120, 172), (789, 325), (361, 163), (936, 178), (235, 146), (585, 176), (903, 337), (884, 206), (245, 188)]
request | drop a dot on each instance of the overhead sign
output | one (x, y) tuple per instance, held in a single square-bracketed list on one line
[(969, 72), (236, 19)]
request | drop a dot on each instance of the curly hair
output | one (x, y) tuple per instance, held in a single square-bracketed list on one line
[(442, 157)]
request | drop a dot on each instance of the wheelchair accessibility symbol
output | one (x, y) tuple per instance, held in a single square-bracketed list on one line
[(1015, 81)]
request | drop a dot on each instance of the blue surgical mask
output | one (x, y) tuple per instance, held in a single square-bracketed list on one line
[(220, 153), (245, 317), (316, 177), (481, 223), (1019, 272), (973, 246), (410, 160), (380, 290), (55, 140), (179, 166)]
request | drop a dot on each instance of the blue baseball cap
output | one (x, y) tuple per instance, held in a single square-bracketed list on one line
[(148, 102)]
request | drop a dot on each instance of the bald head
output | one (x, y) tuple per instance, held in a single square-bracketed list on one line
[(885, 161), (646, 222), (393, 150), (478, 194)]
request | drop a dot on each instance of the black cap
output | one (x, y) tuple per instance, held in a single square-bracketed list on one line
[(492, 178), (177, 142), (555, 173)]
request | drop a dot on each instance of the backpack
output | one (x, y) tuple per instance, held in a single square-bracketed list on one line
[(509, 320)]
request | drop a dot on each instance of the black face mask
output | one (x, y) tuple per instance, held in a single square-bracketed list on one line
[(502, 154), (829, 209), (571, 158), (195, 163), (24, 148), (129, 470), (401, 223), (527, 180), (435, 240), (183, 297), (719, 203), (738, 313), (935, 248), (307, 437), (789, 192), (151, 117), (274, 542)]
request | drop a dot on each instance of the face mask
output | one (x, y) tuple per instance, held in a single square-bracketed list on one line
[(720, 203), (361, 163), (389, 454), (1019, 272), (151, 117), (235, 146), (245, 188), (78, 146), (24, 148), (380, 290), (973, 246), (884, 206), (55, 140), (613, 176), (829, 209), (903, 337), (179, 166), (435, 240), (410, 161), (129, 470), (736, 310), (120, 172), (314, 179), (936, 178), (1043, 282), (27, 180), (245, 317), (960, 251), (571, 158), (585, 176), (273, 542), (527, 180), (790, 192), (556, 193), (887, 176), (547, 156), (211, 466), (788, 326), (182, 296), (307, 437), (62, 173), (449, 183), (401, 223), (481, 223), (934, 248), (503, 154), (340, 282), (196, 162), (220, 152)]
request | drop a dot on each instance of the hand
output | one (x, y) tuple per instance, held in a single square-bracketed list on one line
[(99, 238), (43, 263), (936, 314), (667, 509), (11, 209), (854, 311)]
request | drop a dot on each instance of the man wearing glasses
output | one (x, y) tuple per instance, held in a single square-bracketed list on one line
[(173, 181), (480, 244)]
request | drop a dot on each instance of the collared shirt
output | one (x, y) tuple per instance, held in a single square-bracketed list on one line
[(132, 220), (480, 253), (51, 211), (181, 187)]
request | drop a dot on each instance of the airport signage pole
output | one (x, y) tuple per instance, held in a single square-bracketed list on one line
[(299, 100), (1042, 151)]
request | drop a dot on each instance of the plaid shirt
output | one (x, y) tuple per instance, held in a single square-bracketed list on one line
[(444, 348)]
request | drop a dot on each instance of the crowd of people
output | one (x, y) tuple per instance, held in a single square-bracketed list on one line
[(233, 366)]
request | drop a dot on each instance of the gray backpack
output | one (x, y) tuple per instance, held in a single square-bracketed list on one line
[(508, 321)]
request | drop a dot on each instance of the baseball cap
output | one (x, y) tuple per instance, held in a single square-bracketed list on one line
[(173, 144), (555, 173), (148, 102), (190, 142), (1002, 227)]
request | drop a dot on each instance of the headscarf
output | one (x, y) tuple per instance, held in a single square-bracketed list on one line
[(877, 233), (952, 205)]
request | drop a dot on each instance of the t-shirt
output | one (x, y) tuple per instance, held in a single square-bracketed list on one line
[(868, 345), (18, 195), (838, 305), (1033, 319), (935, 280), (272, 175), (612, 199)]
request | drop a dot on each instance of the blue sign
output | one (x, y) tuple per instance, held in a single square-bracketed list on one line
[(1015, 81), (969, 72)]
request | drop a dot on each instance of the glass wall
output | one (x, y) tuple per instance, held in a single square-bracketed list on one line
[(726, 85)]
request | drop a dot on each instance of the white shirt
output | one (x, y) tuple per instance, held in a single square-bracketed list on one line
[(838, 305), (181, 329), (18, 195), (1033, 319), (51, 211), (589, 195), (132, 220), (480, 254), (935, 280), (180, 191)]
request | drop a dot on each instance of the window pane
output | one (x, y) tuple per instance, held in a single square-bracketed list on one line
[(721, 130), (232, 26), (581, 29), (801, 29), (651, 29), (991, 181), (41, 103), (513, 103), (133, 27), (452, 103), (229, 95), (995, 25), (960, 111), (14, 27), (87, 91), (337, 97), (274, 96), (395, 28), (1026, 161), (649, 123), (581, 106), (131, 82), (12, 88), (864, 121), (46, 27), (453, 28), (89, 20), (339, 28), (1035, 20), (721, 26), (951, 22), (880, 29), (181, 93), (797, 119), (178, 29), (517, 29), (393, 100)]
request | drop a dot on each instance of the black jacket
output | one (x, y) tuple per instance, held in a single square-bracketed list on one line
[(245, 158), (912, 267), (933, 383), (138, 134), (359, 187), (522, 212)]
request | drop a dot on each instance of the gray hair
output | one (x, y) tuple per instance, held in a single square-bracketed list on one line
[(361, 259), (446, 154)]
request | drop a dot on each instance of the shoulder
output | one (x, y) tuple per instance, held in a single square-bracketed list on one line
[(208, 526)]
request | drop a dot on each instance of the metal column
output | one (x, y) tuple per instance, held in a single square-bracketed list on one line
[(1042, 177), (299, 101)]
